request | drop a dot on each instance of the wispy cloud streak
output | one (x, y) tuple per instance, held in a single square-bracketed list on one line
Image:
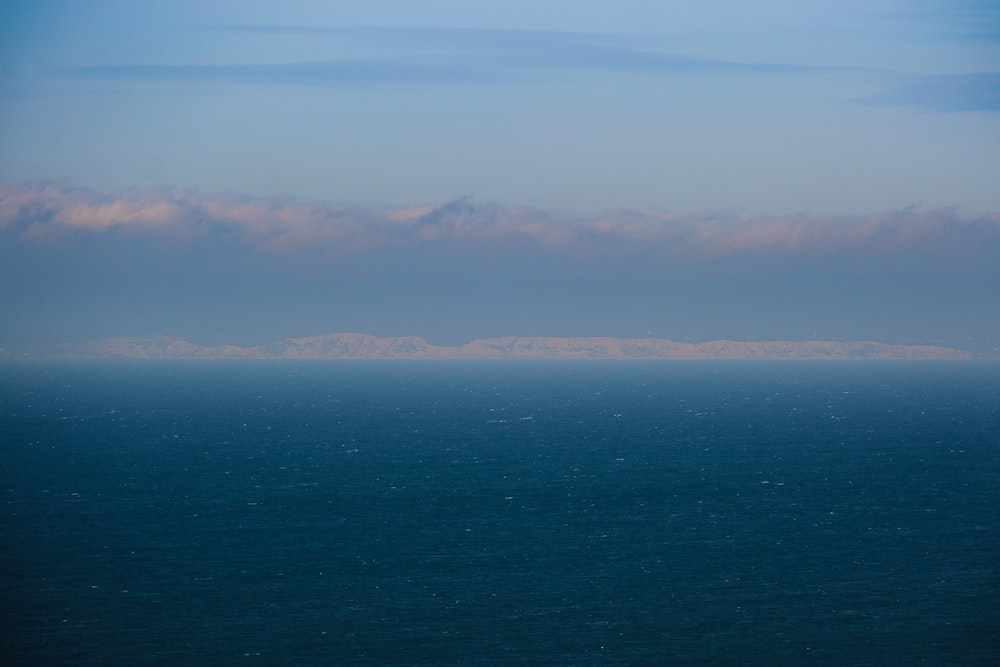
[(944, 93), (435, 55), (319, 73), (383, 56), (45, 210)]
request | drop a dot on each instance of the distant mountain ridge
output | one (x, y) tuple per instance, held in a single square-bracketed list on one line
[(364, 346)]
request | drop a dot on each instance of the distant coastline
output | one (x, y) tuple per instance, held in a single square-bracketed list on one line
[(364, 346)]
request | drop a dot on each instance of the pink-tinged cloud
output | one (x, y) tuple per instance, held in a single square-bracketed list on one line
[(282, 226)]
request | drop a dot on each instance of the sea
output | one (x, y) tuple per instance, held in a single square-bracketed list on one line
[(500, 513)]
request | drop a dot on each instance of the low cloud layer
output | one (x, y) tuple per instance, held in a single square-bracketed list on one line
[(217, 269), (34, 212)]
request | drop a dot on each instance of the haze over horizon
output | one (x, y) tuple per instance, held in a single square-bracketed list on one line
[(240, 172)]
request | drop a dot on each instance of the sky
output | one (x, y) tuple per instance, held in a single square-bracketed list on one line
[(239, 172)]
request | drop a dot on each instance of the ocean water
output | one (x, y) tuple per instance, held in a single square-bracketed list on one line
[(462, 513)]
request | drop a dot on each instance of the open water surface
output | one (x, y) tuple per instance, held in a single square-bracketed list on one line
[(500, 513)]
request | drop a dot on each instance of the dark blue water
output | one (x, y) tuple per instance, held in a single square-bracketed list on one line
[(500, 513)]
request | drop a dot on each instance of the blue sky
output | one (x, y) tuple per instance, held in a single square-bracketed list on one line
[(680, 154)]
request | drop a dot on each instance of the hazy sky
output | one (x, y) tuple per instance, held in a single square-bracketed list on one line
[(240, 171)]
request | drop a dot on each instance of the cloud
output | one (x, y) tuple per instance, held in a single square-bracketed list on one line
[(78, 264), (435, 55), (35, 211), (319, 73), (944, 93)]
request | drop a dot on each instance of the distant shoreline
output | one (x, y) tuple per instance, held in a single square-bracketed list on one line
[(364, 346)]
